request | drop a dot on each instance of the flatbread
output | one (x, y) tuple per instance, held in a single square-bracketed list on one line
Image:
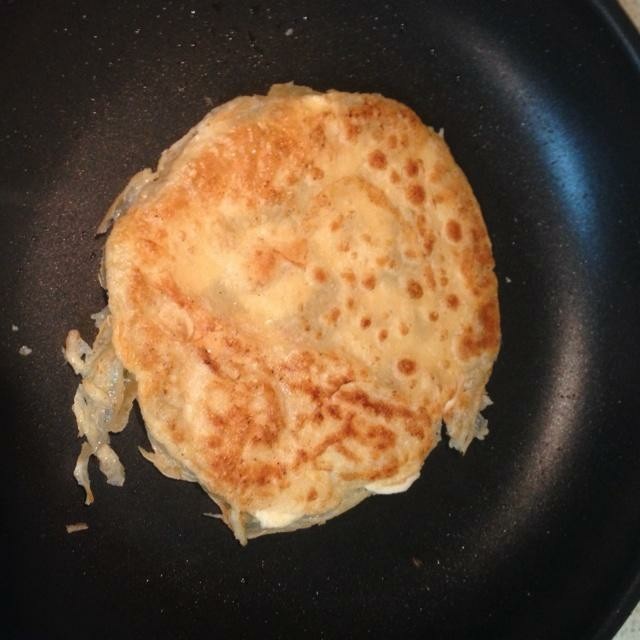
[(303, 292)]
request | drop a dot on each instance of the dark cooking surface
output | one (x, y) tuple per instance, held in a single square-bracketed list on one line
[(534, 533)]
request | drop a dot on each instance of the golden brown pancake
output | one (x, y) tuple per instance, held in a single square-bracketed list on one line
[(303, 292)]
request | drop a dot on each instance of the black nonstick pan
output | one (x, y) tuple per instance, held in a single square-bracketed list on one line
[(534, 533)]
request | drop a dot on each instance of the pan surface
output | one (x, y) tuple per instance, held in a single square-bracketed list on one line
[(535, 533)]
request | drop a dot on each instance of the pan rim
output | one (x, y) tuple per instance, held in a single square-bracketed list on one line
[(623, 30)]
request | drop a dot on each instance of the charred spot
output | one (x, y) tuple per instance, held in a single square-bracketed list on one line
[(440, 197), (490, 322), (335, 224), (177, 434), (415, 194), (385, 438), (404, 328), (414, 429), (209, 361), (216, 419), (438, 172), (346, 452), (365, 109), (310, 389), (264, 260), (388, 471), (411, 168), (406, 366), (316, 173), (265, 473), (377, 159), (318, 135), (312, 495), (489, 335), (452, 301), (395, 177), (319, 274), (353, 130), (334, 411), (348, 430), (428, 241), (264, 435), (375, 195), (453, 230), (383, 335), (348, 276), (415, 289), (333, 315), (337, 438), (301, 457), (433, 316), (429, 277), (377, 407), (365, 323), (369, 282)]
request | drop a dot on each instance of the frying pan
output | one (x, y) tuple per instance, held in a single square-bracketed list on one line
[(534, 533)]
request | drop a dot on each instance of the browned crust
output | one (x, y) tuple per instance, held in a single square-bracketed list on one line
[(347, 423)]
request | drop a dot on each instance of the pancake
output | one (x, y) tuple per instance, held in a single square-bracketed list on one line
[(303, 291)]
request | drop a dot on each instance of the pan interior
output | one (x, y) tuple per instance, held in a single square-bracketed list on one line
[(534, 532)]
